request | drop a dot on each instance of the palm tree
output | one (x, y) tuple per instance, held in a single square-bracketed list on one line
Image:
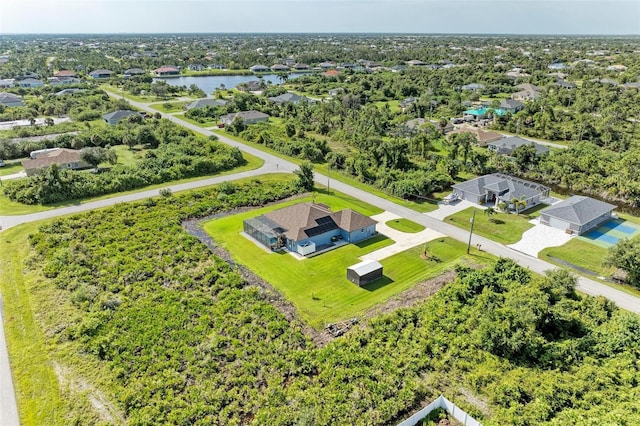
[(489, 211), (519, 203), (503, 206)]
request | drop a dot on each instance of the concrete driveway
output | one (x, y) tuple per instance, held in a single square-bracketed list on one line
[(445, 210), (540, 237), (403, 240)]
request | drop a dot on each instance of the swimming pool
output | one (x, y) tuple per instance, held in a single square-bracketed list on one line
[(481, 111)]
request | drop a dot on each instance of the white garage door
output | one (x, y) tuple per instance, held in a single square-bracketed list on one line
[(557, 223)]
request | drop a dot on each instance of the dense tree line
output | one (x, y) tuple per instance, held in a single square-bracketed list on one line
[(174, 153), (182, 339)]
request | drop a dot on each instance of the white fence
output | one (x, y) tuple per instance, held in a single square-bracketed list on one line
[(450, 407)]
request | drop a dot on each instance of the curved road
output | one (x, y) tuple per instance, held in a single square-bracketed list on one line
[(8, 410)]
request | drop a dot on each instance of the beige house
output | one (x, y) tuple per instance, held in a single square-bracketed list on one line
[(63, 157)]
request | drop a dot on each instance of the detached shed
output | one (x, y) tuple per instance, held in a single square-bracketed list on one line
[(364, 272)]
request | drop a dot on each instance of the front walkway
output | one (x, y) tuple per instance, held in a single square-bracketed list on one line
[(18, 175), (445, 210), (403, 240), (540, 237)]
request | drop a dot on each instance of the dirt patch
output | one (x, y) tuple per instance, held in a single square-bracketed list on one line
[(412, 296), (473, 399), (103, 407)]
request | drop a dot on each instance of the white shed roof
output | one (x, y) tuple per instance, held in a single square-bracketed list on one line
[(363, 268)]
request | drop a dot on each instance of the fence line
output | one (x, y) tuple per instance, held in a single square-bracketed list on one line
[(444, 403)]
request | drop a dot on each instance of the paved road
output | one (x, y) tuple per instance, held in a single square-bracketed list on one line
[(8, 406), (540, 141)]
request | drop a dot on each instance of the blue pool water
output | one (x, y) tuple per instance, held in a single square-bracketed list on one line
[(618, 226), (601, 236)]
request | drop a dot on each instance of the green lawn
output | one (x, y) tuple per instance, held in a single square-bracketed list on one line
[(126, 156), (318, 286), (11, 168), (393, 105), (205, 125), (405, 225), (501, 227), (580, 253), (173, 106), (38, 393), (11, 208)]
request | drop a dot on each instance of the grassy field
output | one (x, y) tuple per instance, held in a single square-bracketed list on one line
[(173, 106), (580, 253), (11, 208), (501, 227), (37, 390), (405, 225), (318, 286), (204, 125), (11, 168)]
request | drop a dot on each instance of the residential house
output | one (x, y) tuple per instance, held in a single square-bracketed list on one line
[(507, 145), (577, 214), (474, 87), (259, 68), (101, 74), (301, 67), (30, 83), (248, 117), (415, 63), (511, 105), (563, 84), (331, 73), (54, 81), (10, 100), (166, 70), (289, 98), (201, 103), (608, 81), (412, 126), (405, 103), (528, 92), (116, 116), (6, 83), (617, 67), (327, 65), (306, 228), (65, 74), (250, 86), (633, 85), (63, 157), (64, 92), (196, 67), (279, 68), (483, 137), (496, 188), (131, 72)]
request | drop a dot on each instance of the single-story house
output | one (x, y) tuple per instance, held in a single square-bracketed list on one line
[(496, 188), (483, 137), (7, 82), (30, 82), (196, 67), (10, 100), (259, 68), (577, 214), (632, 85), (474, 87), (99, 74), (511, 105), (507, 145), (364, 272), (69, 92), (133, 72), (166, 70), (301, 67), (526, 95), (201, 103), (279, 68), (65, 73), (63, 157), (327, 65), (250, 86), (305, 228), (248, 117), (416, 63), (116, 116), (564, 84), (289, 98), (55, 81)]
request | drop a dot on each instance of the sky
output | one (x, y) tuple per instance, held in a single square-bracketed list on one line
[(615, 17)]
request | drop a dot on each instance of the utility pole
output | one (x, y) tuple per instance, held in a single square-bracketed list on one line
[(472, 220), (328, 178)]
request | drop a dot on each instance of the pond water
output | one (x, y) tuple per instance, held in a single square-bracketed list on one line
[(210, 83)]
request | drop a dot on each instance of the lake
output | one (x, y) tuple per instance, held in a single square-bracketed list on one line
[(211, 82)]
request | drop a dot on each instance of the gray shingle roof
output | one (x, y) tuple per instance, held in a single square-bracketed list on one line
[(578, 209), (201, 103), (496, 182), (508, 145), (118, 115)]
